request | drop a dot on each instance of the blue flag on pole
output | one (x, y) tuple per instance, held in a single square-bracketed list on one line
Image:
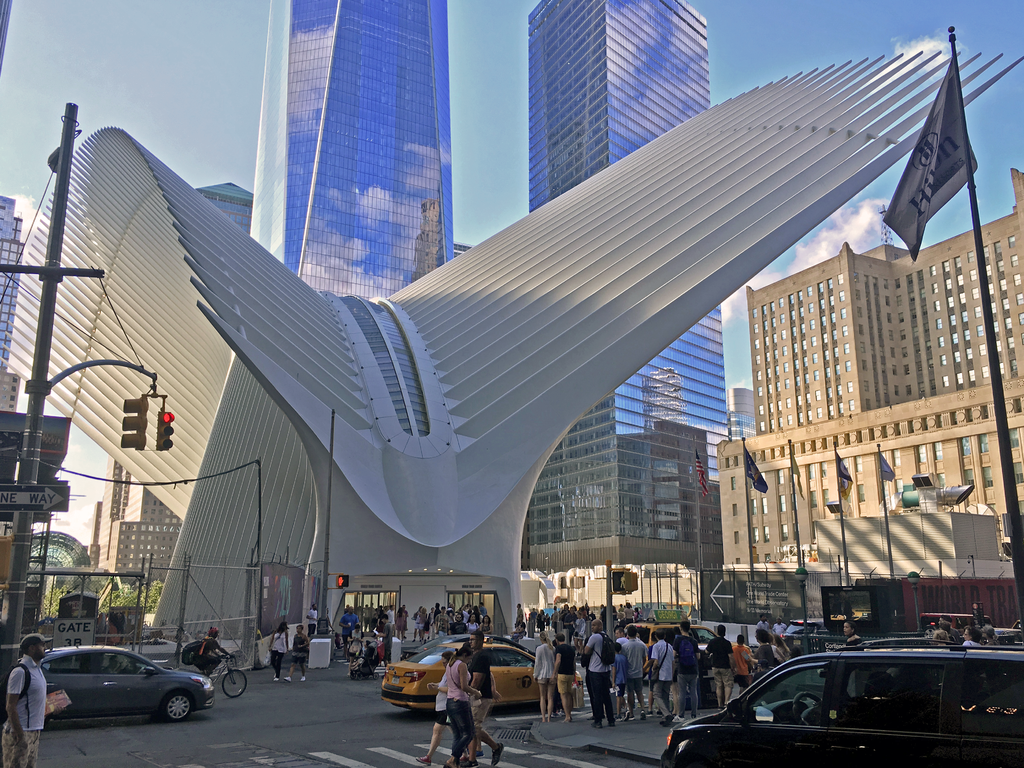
[(845, 478), (756, 478), (887, 473)]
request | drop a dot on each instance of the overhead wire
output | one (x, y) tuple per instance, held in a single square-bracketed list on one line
[(182, 481)]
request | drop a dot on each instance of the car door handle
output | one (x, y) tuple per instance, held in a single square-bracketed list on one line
[(857, 748), (110, 682)]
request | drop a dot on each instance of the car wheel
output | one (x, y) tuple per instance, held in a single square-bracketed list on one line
[(176, 706)]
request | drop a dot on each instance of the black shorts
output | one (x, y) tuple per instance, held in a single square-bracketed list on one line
[(441, 717)]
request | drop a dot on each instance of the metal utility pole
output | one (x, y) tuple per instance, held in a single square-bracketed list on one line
[(324, 623), (38, 388), (995, 373)]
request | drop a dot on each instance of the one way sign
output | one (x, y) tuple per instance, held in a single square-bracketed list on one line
[(38, 498)]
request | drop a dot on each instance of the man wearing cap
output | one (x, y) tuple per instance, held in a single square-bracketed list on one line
[(25, 713)]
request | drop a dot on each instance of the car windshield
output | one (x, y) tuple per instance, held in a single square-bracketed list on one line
[(429, 656), (703, 635)]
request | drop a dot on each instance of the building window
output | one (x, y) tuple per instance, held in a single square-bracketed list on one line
[(735, 510), (860, 493), (735, 537), (755, 536), (922, 454), (937, 447), (785, 532), (732, 480), (814, 499), (767, 538), (969, 476), (986, 476), (1018, 473), (965, 446), (983, 443), (1014, 438)]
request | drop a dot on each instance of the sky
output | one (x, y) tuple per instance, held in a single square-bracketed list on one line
[(185, 79)]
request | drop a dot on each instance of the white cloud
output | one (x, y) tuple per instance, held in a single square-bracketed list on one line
[(925, 45), (858, 224), (78, 522), (375, 204)]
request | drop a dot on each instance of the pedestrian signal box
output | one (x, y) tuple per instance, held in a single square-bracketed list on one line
[(624, 581), (340, 580)]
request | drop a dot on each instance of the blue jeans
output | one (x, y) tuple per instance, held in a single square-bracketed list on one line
[(462, 726), (687, 685)]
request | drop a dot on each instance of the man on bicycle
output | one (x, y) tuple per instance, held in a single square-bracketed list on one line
[(210, 653)]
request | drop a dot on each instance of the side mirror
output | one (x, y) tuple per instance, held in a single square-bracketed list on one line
[(149, 671), (736, 710)]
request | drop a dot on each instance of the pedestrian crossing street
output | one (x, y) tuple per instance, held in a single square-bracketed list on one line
[(512, 757)]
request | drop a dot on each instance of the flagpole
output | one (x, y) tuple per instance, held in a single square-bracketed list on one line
[(885, 507), (998, 395), (750, 512), (796, 511), (842, 522)]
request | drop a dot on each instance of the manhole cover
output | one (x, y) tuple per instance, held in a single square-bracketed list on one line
[(512, 734)]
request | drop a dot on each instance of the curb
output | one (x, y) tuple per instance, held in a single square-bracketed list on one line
[(603, 749), (628, 754)]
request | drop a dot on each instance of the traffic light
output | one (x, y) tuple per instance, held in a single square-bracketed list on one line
[(164, 430), (135, 423), (342, 581)]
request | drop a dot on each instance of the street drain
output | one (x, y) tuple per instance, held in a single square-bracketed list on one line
[(512, 734)]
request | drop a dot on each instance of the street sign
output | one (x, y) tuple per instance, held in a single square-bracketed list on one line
[(73, 632), (37, 498)]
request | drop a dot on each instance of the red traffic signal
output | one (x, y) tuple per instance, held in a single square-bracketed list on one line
[(342, 581), (164, 430)]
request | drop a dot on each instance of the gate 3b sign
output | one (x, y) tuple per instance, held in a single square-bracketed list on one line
[(74, 632)]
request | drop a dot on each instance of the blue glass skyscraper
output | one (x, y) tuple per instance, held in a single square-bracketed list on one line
[(607, 77), (353, 176)]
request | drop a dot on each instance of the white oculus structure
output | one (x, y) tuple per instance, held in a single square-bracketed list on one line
[(451, 393)]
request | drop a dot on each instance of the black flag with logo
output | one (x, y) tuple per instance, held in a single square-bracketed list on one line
[(936, 171)]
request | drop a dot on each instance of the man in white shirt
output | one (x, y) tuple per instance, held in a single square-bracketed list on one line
[(26, 706), (780, 627), (662, 656)]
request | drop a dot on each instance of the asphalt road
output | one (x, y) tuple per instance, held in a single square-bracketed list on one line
[(328, 720)]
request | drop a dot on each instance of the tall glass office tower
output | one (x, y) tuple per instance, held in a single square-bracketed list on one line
[(607, 77), (353, 170)]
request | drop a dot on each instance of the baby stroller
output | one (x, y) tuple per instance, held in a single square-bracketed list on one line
[(364, 666)]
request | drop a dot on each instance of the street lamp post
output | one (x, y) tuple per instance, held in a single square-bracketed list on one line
[(914, 577), (801, 576), (836, 508)]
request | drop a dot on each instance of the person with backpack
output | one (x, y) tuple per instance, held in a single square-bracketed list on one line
[(209, 653), (599, 653), (661, 675), (26, 705), (687, 670)]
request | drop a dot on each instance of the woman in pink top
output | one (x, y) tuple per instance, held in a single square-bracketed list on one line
[(459, 712)]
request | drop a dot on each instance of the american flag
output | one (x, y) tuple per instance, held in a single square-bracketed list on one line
[(702, 478)]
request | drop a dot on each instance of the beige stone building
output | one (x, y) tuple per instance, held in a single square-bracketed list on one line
[(133, 525), (864, 331), (875, 348)]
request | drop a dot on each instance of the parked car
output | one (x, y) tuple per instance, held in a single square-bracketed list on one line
[(868, 706), (103, 681)]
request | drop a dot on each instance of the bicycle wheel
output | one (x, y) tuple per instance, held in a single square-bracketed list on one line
[(234, 683)]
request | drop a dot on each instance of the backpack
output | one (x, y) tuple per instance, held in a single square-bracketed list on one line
[(607, 650), (685, 652), (191, 651), (24, 688)]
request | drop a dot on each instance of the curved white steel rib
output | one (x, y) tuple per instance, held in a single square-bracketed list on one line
[(515, 339)]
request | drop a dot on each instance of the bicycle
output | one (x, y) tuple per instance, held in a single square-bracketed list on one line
[(232, 680)]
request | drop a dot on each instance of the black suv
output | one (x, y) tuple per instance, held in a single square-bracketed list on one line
[(868, 707)]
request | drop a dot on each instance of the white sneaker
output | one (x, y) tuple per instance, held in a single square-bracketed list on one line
[(277, 679), (288, 679), (302, 680)]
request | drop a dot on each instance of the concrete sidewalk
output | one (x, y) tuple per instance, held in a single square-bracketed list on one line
[(640, 740)]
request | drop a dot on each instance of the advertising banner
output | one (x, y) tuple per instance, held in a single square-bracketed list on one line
[(995, 598), (282, 596)]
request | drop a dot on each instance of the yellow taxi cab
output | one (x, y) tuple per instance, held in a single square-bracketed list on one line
[(405, 682)]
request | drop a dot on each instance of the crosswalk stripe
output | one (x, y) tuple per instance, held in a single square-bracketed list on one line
[(395, 755), (569, 761), (346, 761), (510, 750), (402, 757)]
